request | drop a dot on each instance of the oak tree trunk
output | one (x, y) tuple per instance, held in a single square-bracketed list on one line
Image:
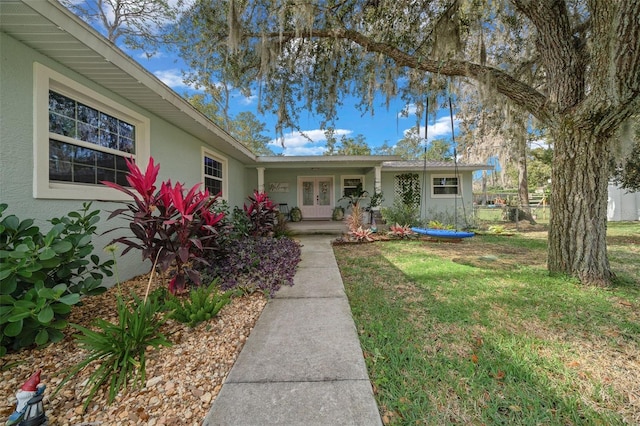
[(578, 227)]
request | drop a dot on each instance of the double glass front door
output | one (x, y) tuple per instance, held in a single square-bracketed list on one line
[(315, 195)]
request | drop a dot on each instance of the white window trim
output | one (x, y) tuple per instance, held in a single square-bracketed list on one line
[(452, 175), (225, 171), (344, 177), (45, 79)]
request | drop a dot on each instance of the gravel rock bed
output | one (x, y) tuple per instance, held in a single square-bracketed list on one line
[(181, 383)]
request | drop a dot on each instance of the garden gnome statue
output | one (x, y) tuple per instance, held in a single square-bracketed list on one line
[(28, 390)]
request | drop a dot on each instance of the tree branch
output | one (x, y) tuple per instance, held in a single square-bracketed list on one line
[(520, 93)]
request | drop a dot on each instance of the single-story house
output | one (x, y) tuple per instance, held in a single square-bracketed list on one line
[(73, 106)]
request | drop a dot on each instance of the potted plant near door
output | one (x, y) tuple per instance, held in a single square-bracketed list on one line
[(338, 213), (295, 214)]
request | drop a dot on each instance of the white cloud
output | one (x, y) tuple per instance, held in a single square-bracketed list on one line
[(408, 111), (440, 129), (248, 100), (312, 142), (172, 78)]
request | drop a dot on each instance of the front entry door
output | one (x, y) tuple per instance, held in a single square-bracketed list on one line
[(315, 197)]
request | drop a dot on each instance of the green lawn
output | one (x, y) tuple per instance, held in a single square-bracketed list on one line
[(478, 333)]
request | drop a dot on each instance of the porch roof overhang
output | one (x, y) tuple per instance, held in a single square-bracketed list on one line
[(432, 166), (323, 161), (49, 28)]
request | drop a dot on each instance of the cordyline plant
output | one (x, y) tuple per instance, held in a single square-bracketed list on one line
[(168, 225), (262, 214)]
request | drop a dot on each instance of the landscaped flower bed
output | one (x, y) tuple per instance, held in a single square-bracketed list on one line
[(146, 350), (181, 381)]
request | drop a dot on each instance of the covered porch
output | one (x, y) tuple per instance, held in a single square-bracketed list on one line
[(318, 184)]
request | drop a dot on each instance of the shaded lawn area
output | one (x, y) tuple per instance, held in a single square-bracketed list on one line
[(479, 333)]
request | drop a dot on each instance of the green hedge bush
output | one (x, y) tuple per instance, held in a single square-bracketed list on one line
[(43, 275)]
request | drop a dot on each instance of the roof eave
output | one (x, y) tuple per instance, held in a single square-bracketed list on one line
[(64, 21)]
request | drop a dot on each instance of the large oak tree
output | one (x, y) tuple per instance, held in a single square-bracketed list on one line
[(306, 54)]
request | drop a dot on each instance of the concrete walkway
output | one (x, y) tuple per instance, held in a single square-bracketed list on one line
[(302, 363)]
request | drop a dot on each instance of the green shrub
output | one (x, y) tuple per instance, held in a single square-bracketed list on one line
[(435, 224), (43, 275), (202, 304), (119, 348), (401, 213)]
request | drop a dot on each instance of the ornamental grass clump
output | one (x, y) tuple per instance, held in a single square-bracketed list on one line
[(168, 225), (201, 304), (119, 348), (263, 263)]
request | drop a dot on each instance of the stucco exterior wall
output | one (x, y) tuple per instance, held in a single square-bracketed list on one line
[(179, 153), (434, 207)]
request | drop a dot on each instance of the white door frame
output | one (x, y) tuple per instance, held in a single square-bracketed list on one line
[(317, 210)]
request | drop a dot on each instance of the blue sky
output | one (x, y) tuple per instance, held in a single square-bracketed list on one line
[(385, 125)]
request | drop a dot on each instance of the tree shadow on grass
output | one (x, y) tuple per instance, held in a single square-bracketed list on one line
[(444, 349)]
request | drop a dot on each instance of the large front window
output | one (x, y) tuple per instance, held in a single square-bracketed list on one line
[(82, 138), (87, 145)]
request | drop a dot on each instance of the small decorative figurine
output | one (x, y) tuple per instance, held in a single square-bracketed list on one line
[(29, 402)]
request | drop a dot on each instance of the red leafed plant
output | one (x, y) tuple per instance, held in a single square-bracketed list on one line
[(169, 226), (262, 214)]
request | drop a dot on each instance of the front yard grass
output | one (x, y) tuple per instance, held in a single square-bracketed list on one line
[(479, 333)]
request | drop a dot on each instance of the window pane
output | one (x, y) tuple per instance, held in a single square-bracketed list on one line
[(127, 130), (88, 115), (445, 190), (85, 156), (105, 160), (127, 145), (213, 185), (121, 178), (108, 123), (62, 105), (108, 140), (88, 133), (212, 167), (71, 163), (62, 125), (121, 164), (79, 121), (84, 174), (60, 156), (348, 192), (105, 175)]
